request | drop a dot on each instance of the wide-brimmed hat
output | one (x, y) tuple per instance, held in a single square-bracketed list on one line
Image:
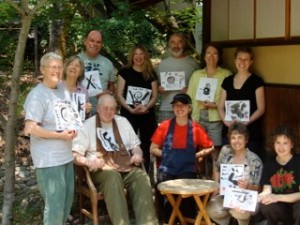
[(183, 98)]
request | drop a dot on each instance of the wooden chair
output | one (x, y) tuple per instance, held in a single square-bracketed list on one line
[(87, 190)]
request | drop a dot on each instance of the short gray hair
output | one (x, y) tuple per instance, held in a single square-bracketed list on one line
[(50, 56)]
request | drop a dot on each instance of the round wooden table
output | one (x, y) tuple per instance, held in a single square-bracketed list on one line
[(199, 189)]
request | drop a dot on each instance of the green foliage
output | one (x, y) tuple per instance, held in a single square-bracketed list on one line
[(8, 35), (119, 34), (186, 18), (7, 14), (125, 27)]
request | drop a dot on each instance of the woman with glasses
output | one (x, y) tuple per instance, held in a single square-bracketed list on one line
[(178, 143), (206, 111), (51, 135)]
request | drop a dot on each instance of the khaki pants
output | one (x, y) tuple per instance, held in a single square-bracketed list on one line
[(222, 215), (137, 183)]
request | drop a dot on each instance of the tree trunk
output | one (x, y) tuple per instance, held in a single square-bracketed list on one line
[(55, 31), (10, 134)]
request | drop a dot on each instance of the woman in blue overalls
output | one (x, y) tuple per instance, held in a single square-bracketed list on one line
[(177, 142)]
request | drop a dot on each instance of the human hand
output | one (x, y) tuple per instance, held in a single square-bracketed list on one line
[(94, 163), (269, 199), (204, 152), (161, 89), (183, 90), (243, 183), (228, 123), (136, 159), (68, 134), (88, 107), (139, 109), (143, 109)]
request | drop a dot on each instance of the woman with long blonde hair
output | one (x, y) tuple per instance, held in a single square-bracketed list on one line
[(137, 92)]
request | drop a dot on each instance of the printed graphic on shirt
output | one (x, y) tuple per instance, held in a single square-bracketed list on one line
[(66, 116), (172, 81), (107, 138), (282, 180), (138, 95)]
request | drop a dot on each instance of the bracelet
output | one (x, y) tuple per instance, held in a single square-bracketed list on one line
[(128, 107)]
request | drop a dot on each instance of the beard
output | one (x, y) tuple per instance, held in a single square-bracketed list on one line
[(177, 52)]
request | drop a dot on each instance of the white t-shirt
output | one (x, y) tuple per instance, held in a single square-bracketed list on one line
[(85, 142)]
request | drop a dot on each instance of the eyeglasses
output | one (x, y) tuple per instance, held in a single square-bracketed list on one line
[(108, 109), (54, 67)]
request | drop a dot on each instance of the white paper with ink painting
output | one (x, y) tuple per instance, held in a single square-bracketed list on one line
[(66, 116), (172, 81), (229, 176), (240, 199), (138, 95), (206, 89), (107, 138), (92, 82), (79, 101), (237, 110)]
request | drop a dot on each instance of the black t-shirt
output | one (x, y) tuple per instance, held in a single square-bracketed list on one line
[(246, 92), (284, 179), (136, 79)]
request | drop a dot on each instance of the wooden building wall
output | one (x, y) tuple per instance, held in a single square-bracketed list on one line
[(282, 107)]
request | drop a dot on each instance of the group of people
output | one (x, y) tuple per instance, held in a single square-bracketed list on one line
[(114, 143)]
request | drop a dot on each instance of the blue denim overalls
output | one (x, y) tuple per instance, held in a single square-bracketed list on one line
[(176, 161)]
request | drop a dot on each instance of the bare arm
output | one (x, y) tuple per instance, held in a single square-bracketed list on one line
[(155, 150), (111, 87), (94, 164), (154, 95), (260, 101), (141, 109), (119, 93), (203, 152), (33, 128), (137, 155), (221, 107), (267, 197)]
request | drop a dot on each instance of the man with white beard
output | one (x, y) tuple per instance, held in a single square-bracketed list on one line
[(179, 64)]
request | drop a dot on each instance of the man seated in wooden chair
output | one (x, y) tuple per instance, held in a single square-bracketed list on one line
[(109, 147)]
